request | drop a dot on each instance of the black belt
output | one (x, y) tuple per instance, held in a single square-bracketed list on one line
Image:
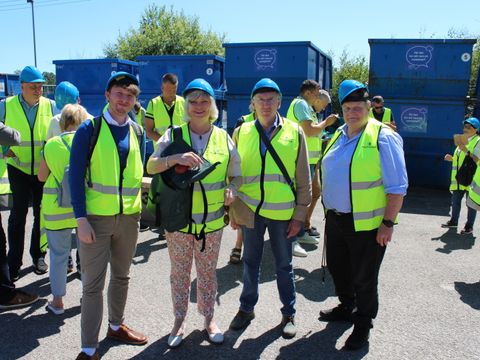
[(338, 213)]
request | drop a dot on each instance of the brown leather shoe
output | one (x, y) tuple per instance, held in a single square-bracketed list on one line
[(83, 356), (127, 335)]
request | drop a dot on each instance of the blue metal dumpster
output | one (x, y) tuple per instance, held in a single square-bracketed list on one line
[(288, 63), (420, 68), (91, 75), (9, 85), (186, 67)]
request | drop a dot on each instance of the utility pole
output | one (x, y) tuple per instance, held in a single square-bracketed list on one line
[(33, 25)]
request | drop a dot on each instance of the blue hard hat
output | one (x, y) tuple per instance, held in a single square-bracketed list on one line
[(199, 84), (473, 121), (121, 75), (65, 93), (30, 74), (265, 83), (347, 87)]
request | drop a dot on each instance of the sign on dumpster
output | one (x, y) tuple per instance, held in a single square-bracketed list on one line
[(414, 119), (419, 57)]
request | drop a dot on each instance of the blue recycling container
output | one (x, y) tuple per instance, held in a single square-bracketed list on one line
[(420, 68), (288, 63), (90, 76), (186, 67), (9, 85)]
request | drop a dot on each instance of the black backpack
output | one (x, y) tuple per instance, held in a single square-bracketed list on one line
[(466, 172)]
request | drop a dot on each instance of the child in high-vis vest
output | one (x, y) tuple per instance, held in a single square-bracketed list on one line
[(56, 211)]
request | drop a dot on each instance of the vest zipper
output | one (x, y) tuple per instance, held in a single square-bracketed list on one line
[(262, 178)]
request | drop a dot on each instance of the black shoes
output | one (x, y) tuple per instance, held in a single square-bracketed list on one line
[(40, 267), (449, 224), (467, 230), (358, 338), (338, 313), (242, 320), (288, 327)]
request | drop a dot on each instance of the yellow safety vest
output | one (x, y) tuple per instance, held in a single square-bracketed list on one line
[(28, 153), (367, 192), (161, 117), (213, 184), (249, 117), (314, 144), (265, 190), (114, 190), (457, 161), (387, 115), (57, 157), (4, 183)]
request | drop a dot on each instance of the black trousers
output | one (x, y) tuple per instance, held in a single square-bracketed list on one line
[(23, 188), (7, 288), (354, 259)]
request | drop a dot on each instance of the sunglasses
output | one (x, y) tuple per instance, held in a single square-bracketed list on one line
[(226, 217)]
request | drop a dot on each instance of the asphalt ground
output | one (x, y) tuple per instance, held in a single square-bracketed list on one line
[(429, 302)]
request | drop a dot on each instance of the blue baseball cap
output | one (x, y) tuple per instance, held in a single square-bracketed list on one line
[(473, 121), (121, 75), (30, 74)]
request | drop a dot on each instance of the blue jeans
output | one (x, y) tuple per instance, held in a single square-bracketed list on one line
[(60, 245), (457, 196), (253, 240)]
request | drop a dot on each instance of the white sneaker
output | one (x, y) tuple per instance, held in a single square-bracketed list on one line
[(297, 250), (307, 239)]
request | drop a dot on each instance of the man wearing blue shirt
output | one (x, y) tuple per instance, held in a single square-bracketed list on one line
[(364, 180), (29, 113)]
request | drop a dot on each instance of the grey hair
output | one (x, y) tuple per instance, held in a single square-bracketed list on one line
[(194, 95), (325, 95)]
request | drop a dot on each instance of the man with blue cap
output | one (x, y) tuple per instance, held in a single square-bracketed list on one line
[(30, 114), (364, 180), (275, 195), (105, 182)]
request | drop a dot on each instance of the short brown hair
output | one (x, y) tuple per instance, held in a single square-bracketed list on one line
[(170, 78), (309, 85)]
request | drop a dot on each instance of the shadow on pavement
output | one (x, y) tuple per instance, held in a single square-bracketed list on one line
[(310, 285), (469, 293), (427, 202), (146, 248), (453, 241), (25, 338), (321, 345)]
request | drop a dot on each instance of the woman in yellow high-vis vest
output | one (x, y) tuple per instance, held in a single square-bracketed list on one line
[(58, 218), (214, 145), (471, 126)]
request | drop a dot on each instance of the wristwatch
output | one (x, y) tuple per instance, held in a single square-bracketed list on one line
[(388, 223)]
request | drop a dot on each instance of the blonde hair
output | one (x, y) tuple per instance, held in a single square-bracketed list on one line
[(72, 114), (194, 95)]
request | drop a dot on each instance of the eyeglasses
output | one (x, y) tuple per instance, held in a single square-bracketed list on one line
[(378, 107), (356, 109), (226, 217)]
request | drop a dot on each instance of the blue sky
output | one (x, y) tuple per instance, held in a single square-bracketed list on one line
[(79, 29)]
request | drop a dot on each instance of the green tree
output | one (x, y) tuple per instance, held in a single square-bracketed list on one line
[(164, 31), (49, 78), (347, 67)]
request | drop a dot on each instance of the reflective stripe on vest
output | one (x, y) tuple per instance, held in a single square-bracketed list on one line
[(214, 184), (387, 115), (367, 192), (161, 117), (114, 191), (457, 161), (314, 144), (16, 118), (57, 157), (265, 190), (473, 199)]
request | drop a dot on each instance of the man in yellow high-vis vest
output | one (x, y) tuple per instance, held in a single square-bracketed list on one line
[(105, 184), (29, 113), (301, 111), (270, 198), (364, 180), (166, 110), (382, 113)]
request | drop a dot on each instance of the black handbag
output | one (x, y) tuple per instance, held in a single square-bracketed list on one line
[(466, 172)]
